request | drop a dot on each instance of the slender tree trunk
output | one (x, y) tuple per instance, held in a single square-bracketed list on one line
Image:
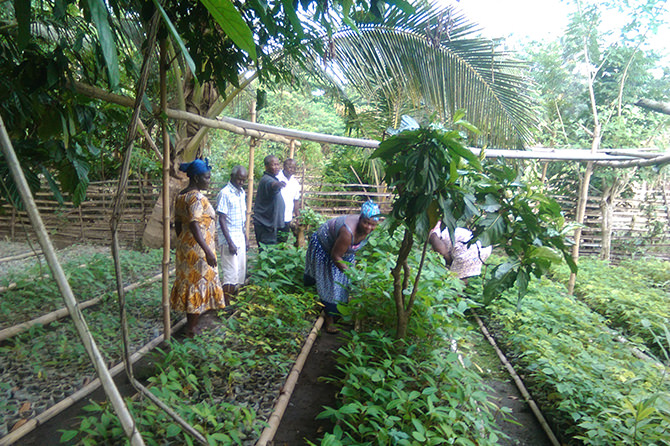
[(581, 211), (606, 211), (400, 275)]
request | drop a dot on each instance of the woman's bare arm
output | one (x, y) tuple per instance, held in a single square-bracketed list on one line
[(197, 235), (342, 244)]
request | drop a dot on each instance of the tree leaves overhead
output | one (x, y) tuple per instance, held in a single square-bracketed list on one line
[(231, 22), (100, 17), (434, 59)]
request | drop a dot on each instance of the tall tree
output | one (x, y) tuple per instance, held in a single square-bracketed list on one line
[(588, 83)]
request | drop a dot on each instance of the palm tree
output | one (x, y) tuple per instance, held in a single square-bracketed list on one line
[(431, 63)]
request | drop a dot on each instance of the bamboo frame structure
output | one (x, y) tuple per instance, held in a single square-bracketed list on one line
[(125, 418)]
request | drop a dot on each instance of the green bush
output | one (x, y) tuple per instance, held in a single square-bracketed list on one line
[(627, 296), (589, 385)]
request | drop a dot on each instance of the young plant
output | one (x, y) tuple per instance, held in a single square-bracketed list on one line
[(437, 178)]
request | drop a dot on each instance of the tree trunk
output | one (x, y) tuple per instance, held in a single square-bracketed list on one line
[(606, 212), (400, 275), (581, 211), (153, 233)]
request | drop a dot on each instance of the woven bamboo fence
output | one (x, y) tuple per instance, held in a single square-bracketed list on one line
[(88, 222), (641, 223)]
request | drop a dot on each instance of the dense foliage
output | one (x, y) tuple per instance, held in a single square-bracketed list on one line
[(637, 306), (592, 387), (213, 380), (438, 179), (416, 391)]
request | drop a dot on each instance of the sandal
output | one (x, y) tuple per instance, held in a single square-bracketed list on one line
[(332, 330)]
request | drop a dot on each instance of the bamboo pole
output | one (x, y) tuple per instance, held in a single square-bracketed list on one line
[(79, 395), (117, 209), (250, 185), (291, 149), (175, 416), (165, 289), (287, 389), (20, 256), (61, 313), (149, 140), (222, 123), (519, 384), (91, 347)]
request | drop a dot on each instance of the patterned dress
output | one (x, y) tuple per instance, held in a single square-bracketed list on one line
[(196, 287), (331, 283), (467, 260)]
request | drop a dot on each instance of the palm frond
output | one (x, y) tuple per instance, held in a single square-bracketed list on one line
[(433, 63)]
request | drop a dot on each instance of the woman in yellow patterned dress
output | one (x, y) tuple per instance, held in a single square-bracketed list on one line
[(196, 287)]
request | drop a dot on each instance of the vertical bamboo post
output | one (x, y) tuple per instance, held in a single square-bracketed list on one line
[(81, 224), (250, 188), (166, 193), (98, 361), (13, 226), (291, 149)]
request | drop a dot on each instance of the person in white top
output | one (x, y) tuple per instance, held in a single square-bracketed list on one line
[(291, 196), (231, 207), (466, 261)]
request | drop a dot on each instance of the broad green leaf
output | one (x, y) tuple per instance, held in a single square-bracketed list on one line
[(232, 23), (100, 17), (545, 252), (177, 38), (22, 11)]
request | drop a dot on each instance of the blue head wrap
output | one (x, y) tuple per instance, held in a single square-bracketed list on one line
[(370, 210), (195, 167)]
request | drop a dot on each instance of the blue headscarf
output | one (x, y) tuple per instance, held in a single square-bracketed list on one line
[(195, 167), (370, 210)]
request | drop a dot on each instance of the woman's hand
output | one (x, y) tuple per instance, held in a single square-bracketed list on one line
[(197, 235), (211, 258)]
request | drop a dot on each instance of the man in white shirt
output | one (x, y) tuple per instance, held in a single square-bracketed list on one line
[(231, 207), (291, 196)]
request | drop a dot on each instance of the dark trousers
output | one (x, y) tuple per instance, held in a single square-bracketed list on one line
[(265, 235)]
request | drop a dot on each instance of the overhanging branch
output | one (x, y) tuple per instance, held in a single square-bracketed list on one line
[(657, 106)]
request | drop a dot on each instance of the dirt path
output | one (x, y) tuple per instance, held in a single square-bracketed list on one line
[(298, 425), (311, 394)]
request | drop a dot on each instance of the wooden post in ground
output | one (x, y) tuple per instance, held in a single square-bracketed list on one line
[(250, 187)]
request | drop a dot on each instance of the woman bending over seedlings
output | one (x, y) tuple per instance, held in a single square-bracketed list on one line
[(196, 287), (331, 249)]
